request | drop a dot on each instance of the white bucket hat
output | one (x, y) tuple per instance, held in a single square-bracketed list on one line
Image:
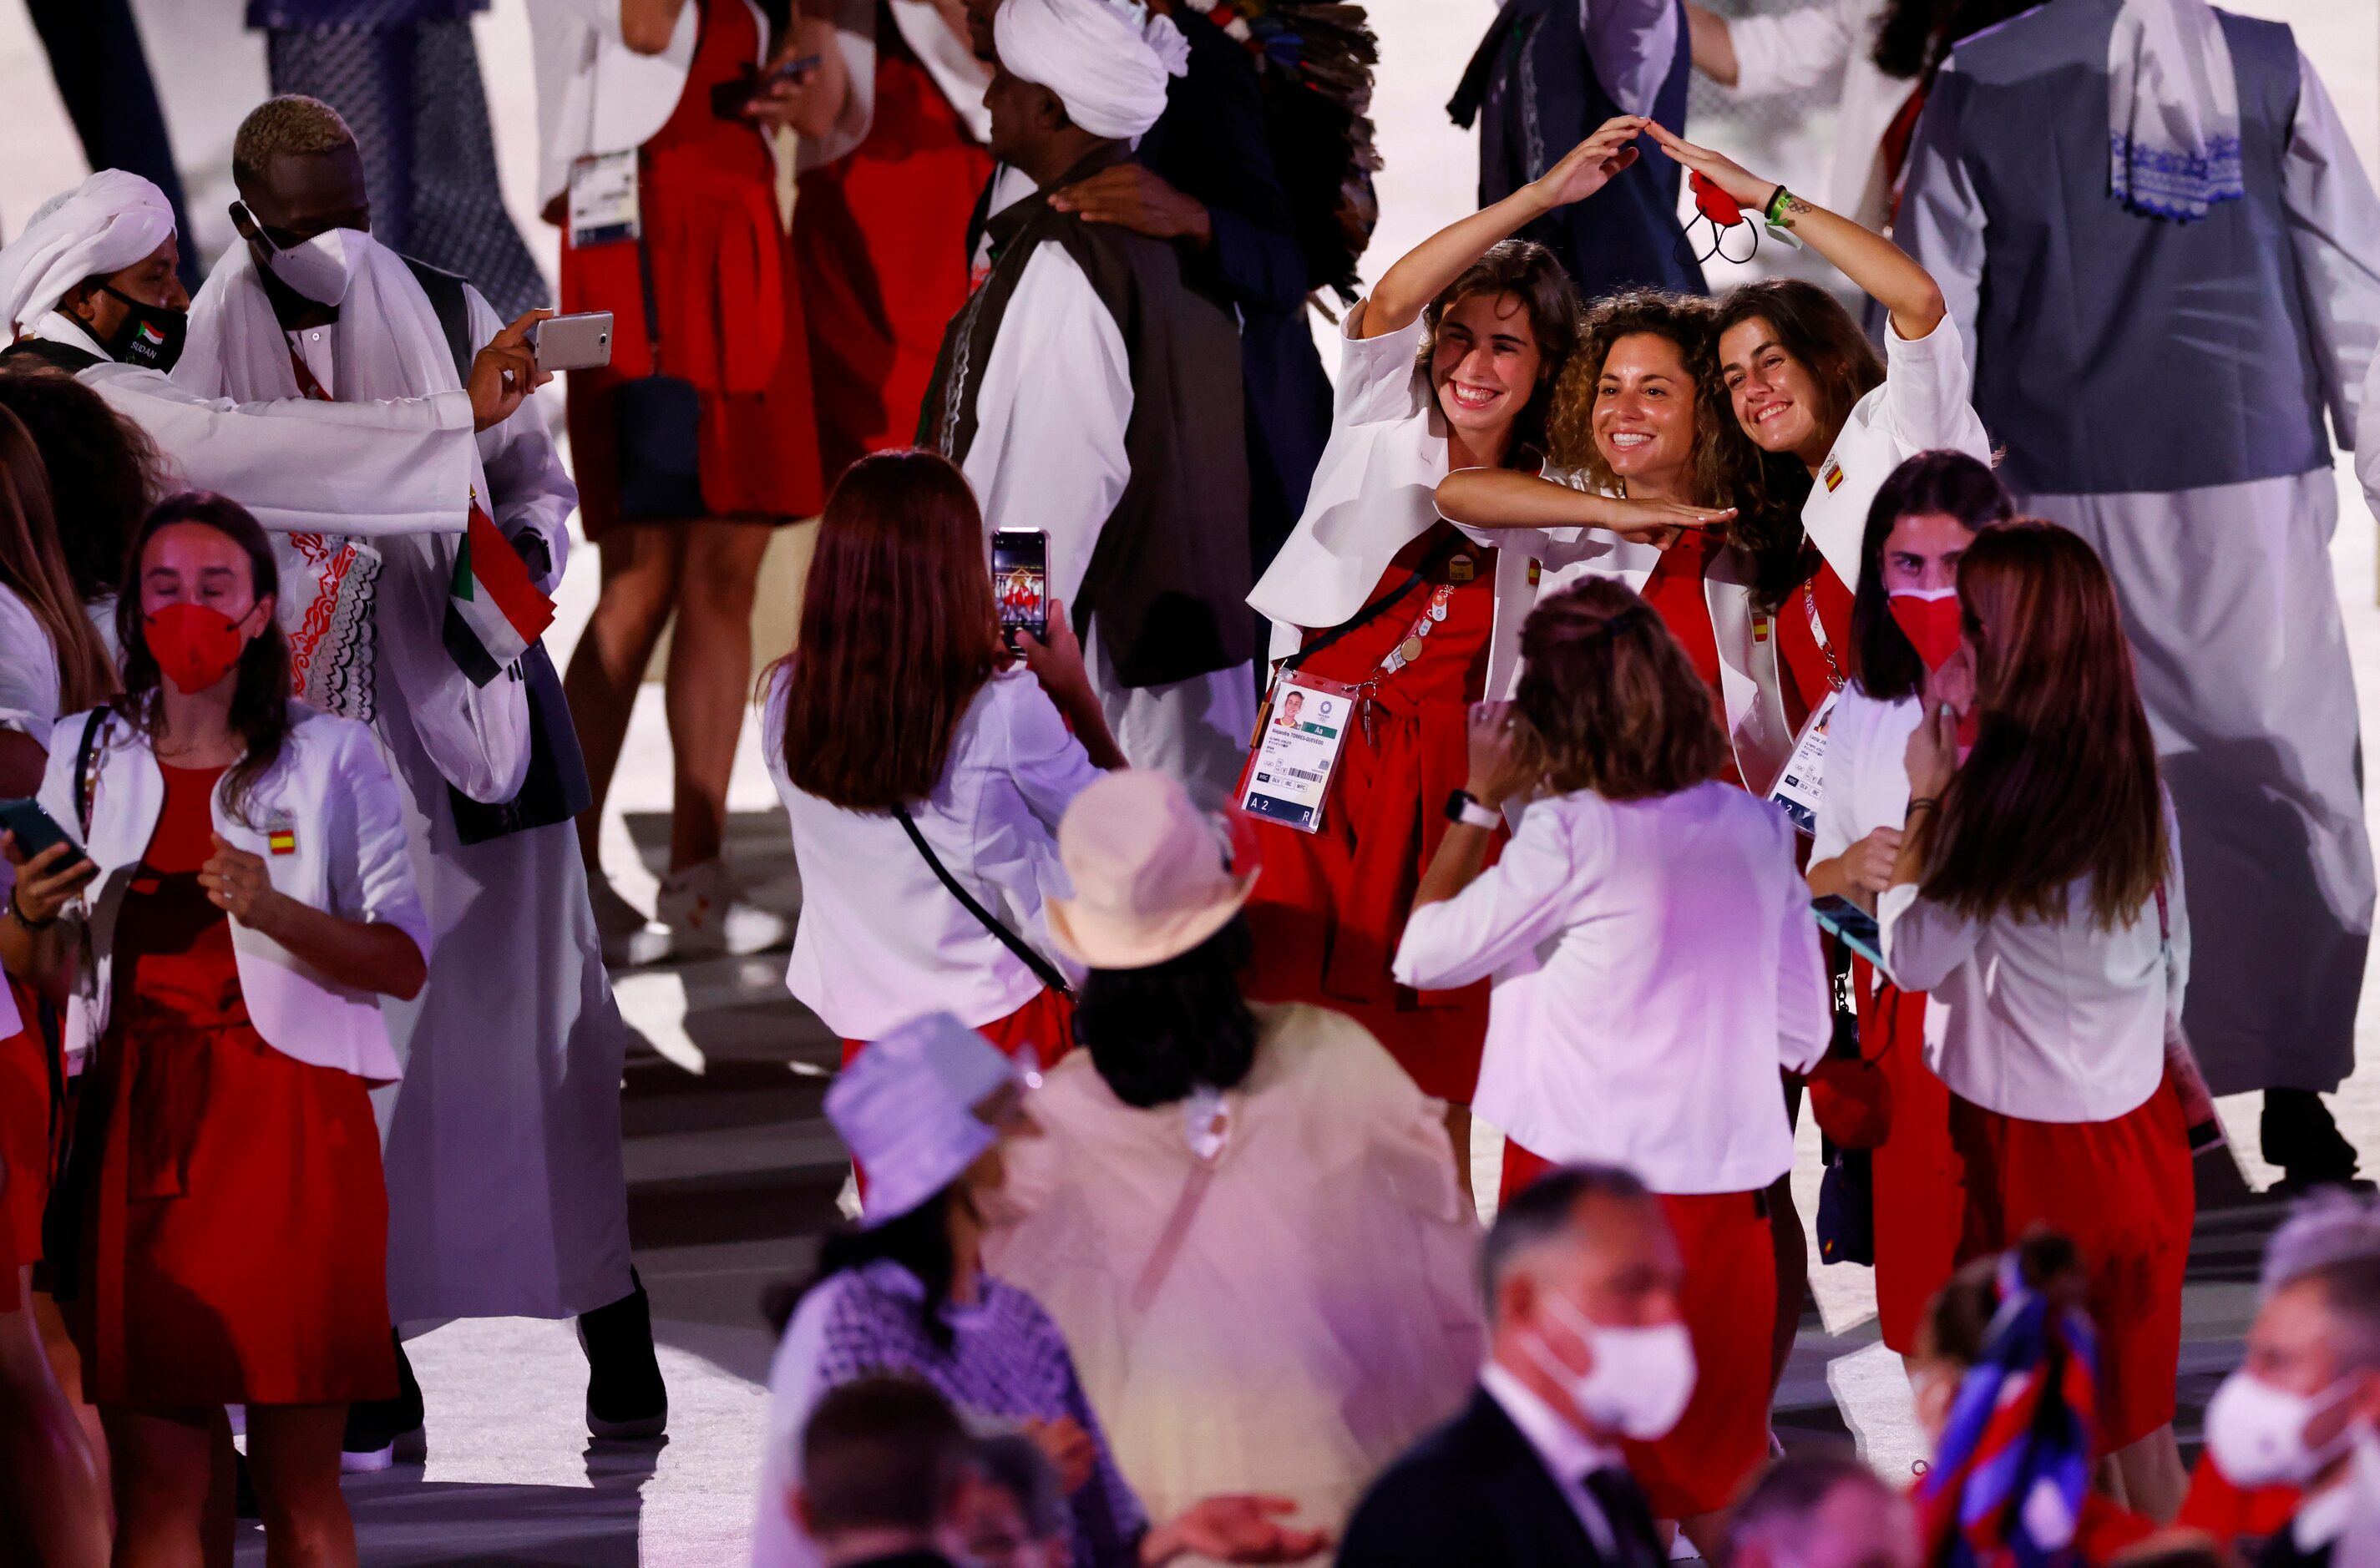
[(1148, 871), (906, 1108)]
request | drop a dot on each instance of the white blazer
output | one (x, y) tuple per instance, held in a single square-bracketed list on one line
[(331, 791), (594, 93), (1758, 732)]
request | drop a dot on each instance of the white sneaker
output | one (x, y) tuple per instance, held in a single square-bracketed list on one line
[(629, 939), (707, 915)]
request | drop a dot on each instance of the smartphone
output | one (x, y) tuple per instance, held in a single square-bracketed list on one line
[(579, 342), (36, 830), (1020, 581), (729, 99), (1853, 926)]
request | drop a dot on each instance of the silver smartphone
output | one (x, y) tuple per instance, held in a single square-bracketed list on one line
[(581, 342)]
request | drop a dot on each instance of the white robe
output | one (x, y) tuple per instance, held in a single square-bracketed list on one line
[(2241, 653), (507, 1196), (1058, 349)]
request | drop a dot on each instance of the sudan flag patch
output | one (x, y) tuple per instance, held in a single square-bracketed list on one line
[(493, 609)]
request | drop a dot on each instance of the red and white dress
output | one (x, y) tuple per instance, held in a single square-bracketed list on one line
[(1653, 967), (2053, 1049)]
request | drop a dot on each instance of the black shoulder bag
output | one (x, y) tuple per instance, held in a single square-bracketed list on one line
[(1043, 971), (657, 427)]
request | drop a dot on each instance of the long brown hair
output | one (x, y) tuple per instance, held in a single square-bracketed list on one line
[(33, 567), (2063, 784), (1812, 325), (1529, 272), (105, 471), (259, 699), (898, 633), (1609, 701)]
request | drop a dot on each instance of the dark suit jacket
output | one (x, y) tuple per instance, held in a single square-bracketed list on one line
[(1472, 1493)]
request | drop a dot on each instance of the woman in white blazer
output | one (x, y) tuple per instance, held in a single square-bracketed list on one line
[(244, 901)]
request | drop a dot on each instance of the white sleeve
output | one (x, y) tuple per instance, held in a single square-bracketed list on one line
[(1047, 763), (28, 672), (1509, 908), (2177, 918), (1788, 51), (1377, 375), (1632, 43), (1928, 391), (2367, 452), (1923, 942), (378, 886), (1942, 219), (528, 488), (1804, 1009), (777, 1541), (1838, 827), (1029, 468), (303, 466), (2335, 228)]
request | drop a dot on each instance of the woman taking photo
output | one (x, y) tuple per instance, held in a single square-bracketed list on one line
[(1904, 626), (249, 902), (933, 1111), (2036, 895), (1207, 1165), (893, 716), (1653, 965), (1448, 365)]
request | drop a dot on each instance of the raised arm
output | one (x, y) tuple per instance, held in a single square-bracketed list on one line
[(1506, 498), (1712, 45), (1878, 266), (1423, 272)]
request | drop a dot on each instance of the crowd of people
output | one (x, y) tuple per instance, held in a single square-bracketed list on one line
[(1643, 717)]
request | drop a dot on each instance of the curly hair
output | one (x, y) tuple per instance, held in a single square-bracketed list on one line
[(292, 124), (1529, 272), (1609, 700)]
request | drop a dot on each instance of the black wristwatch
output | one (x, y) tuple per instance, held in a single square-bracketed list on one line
[(1465, 807)]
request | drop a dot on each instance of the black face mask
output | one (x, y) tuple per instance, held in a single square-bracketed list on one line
[(151, 336)]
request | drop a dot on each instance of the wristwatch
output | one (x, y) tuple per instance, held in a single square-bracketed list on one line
[(1464, 807)]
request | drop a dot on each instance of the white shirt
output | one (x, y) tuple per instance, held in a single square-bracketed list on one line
[(28, 672), (1568, 1454), (1375, 491), (1922, 406), (2046, 1020), (1655, 965), (880, 939), (295, 463), (1868, 770), (346, 854), (1792, 50)]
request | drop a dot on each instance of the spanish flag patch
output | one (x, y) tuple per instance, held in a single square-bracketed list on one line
[(282, 841), (1833, 474)]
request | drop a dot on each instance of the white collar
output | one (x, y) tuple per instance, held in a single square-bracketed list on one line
[(59, 327), (1569, 1454)]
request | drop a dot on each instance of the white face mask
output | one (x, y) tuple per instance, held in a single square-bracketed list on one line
[(1641, 1380), (2256, 1432), (320, 269)]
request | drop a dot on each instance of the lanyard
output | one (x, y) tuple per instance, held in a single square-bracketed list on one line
[(1818, 630)]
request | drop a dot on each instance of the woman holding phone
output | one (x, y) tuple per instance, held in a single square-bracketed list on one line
[(1449, 364), (2037, 894), (897, 714), (246, 901)]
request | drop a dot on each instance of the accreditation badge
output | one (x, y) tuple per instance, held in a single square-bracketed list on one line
[(1304, 725), (1804, 782), (603, 201)]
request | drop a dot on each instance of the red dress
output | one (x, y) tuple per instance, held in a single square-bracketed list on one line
[(1330, 907), (1675, 589), (32, 1081), (879, 244), (1919, 1205), (1812, 669), (235, 1238), (1046, 1023), (728, 303)]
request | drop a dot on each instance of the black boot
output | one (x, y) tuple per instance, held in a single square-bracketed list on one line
[(377, 1428), (624, 1396), (2297, 1133)]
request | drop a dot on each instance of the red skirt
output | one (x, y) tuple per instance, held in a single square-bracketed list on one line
[(1729, 1303), (236, 1240), (1331, 907), (30, 1075), (880, 246), (1919, 1205), (1046, 1024), (2227, 1512), (2121, 1191)]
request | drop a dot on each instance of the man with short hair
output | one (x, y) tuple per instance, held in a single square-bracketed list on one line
[(1822, 1510), (507, 1192), (1587, 1348), (1089, 390), (884, 1461)]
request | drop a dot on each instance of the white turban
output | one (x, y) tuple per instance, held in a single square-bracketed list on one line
[(1107, 63), (110, 221)]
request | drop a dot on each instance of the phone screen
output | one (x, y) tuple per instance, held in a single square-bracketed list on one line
[(1854, 926), (1020, 582)]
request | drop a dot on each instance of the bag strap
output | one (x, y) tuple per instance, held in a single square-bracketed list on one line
[(1379, 607), (83, 781), (1043, 971), (1177, 1231), (645, 280)]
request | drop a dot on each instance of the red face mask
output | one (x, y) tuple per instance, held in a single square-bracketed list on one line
[(1928, 617), (195, 645)]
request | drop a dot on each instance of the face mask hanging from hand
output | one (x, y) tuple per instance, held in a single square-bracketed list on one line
[(1641, 1380), (151, 336), (195, 645), (323, 267)]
